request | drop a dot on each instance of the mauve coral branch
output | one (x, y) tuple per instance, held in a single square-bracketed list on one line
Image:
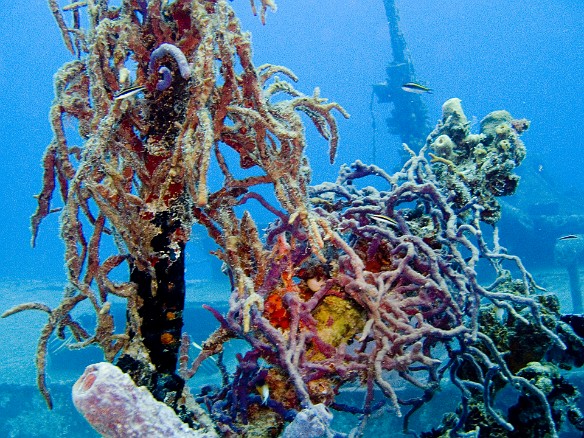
[(161, 51)]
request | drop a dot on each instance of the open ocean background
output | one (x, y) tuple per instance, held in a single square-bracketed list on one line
[(524, 57)]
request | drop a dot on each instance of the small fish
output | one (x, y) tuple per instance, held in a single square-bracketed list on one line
[(412, 87), (383, 218), (569, 237), (264, 392), (129, 92)]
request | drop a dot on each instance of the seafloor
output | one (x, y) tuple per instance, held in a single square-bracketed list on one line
[(23, 412)]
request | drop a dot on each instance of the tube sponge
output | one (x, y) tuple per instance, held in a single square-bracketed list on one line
[(443, 146), (166, 75), (497, 124), (171, 50), (454, 122), (115, 407), (453, 109)]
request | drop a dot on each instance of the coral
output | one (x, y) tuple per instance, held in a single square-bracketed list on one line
[(395, 270), (337, 320), (514, 333), (497, 124), (139, 180), (532, 356), (570, 328), (562, 397), (443, 146), (477, 167)]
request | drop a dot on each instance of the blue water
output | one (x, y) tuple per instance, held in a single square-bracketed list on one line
[(525, 57)]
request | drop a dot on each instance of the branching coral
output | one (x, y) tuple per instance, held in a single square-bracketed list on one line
[(139, 178), (403, 261)]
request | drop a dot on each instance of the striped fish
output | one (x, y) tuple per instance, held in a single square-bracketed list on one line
[(412, 87), (569, 237), (129, 92), (383, 218)]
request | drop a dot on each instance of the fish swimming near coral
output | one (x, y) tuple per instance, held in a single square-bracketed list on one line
[(264, 391), (129, 92), (382, 218), (413, 87)]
